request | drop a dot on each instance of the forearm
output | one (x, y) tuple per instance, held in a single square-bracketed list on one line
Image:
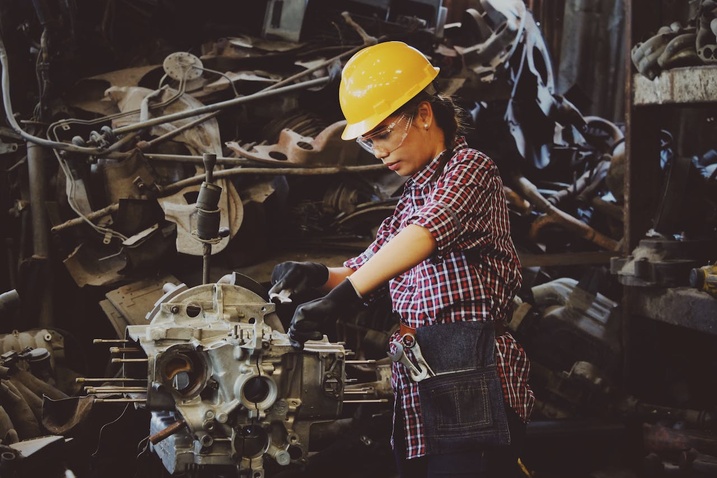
[(411, 246)]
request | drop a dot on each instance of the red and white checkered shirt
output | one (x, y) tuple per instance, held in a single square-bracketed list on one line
[(464, 208)]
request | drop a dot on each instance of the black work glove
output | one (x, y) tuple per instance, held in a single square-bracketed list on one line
[(310, 318), (296, 278)]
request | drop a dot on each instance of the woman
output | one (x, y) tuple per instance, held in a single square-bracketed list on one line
[(448, 260)]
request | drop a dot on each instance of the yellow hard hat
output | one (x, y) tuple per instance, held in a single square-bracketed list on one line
[(377, 81)]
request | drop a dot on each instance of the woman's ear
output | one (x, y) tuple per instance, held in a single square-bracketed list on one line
[(425, 114)]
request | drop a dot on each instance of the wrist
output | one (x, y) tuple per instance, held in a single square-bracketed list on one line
[(358, 294), (344, 293), (319, 273)]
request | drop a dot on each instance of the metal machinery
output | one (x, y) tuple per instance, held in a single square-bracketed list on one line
[(225, 388), (131, 150)]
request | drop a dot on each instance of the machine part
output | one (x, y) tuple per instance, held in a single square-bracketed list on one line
[(128, 304), (177, 209), (706, 40), (242, 393), (663, 439), (9, 302), (182, 66), (577, 324), (492, 32), (47, 339), (554, 215), (645, 54), (705, 278), (680, 51), (293, 149), (208, 215), (662, 262)]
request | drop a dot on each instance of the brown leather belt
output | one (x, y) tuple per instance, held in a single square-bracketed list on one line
[(500, 329), (405, 329)]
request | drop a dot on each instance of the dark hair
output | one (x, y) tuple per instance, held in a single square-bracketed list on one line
[(451, 118)]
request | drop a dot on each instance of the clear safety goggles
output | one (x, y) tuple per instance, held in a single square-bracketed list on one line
[(387, 138)]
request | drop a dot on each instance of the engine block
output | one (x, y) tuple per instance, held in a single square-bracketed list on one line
[(225, 387)]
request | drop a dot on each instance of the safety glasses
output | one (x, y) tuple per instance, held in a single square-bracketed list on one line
[(387, 138)]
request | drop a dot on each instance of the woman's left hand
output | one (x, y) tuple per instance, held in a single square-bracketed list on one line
[(312, 317)]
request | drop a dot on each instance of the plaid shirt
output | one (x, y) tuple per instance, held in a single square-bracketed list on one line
[(464, 208)]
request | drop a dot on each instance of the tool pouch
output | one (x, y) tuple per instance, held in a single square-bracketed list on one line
[(462, 405)]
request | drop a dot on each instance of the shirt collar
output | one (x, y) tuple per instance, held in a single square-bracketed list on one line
[(423, 176)]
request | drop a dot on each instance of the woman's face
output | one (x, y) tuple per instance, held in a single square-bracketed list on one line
[(404, 143)]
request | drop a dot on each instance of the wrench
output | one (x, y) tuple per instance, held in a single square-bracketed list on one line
[(417, 374)]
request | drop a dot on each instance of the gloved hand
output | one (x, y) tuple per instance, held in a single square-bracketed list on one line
[(310, 318), (289, 278)]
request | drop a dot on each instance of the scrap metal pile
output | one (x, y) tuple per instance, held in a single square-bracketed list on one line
[(152, 147)]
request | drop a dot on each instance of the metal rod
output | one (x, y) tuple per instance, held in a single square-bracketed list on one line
[(110, 341), (93, 390), (120, 400), (360, 362), (167, 432), (91, 217), (124, 350), (221, 105), (378, 400), (361, 391), (111, 379), (194, 159), (227, 173), (206, 262), (126, 360)]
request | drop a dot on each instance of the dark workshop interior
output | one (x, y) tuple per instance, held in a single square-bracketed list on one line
[(159, 157)]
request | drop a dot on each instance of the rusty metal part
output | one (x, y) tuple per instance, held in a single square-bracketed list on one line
[(98, 214), (660, 438), (553, 215), (167, 432), (293, 149)]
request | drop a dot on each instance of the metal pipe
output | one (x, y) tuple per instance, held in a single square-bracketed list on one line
[(221, 105), (167, 432), (109, 379), (123, 350), (377, 400), (553, 215), (126, 360), (94, 390), (36, 173), (120, 400), (227, 173), (36, 156)]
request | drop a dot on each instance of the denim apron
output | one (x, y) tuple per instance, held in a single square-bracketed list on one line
[(462, 405)]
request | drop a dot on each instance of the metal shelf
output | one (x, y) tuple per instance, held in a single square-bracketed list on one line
[(678, 86), (681, 306)]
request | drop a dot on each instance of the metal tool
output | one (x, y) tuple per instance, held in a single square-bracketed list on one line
[(418, 372)]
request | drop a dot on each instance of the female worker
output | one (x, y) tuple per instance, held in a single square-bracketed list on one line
[(451, 270)]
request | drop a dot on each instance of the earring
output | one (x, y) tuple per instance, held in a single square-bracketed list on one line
[(425, 125)]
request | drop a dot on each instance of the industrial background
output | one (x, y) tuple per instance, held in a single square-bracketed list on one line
[(150, 148)]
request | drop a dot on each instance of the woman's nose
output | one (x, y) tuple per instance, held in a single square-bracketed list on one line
[(380, 153)]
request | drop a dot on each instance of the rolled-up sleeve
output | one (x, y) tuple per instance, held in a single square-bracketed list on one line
[(459, 215)]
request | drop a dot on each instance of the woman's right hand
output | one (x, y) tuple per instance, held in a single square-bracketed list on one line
[(290, 278)]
